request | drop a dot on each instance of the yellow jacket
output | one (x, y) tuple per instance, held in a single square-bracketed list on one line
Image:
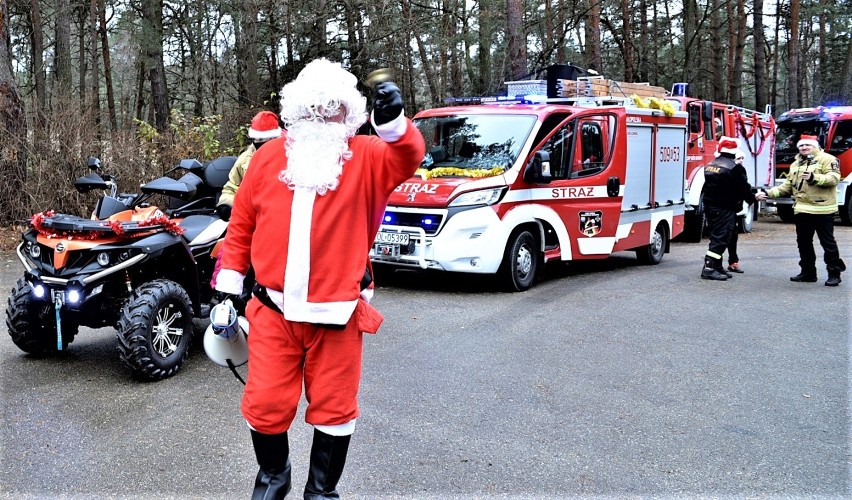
[(235, 177), (819, 196)]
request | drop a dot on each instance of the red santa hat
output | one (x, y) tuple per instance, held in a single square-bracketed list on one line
[(728, 145), (810, 140), (264, 126)]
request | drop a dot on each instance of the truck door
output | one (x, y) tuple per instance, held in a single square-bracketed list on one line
[(581, 159)]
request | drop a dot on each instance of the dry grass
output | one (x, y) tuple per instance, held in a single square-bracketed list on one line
[(10, 236)]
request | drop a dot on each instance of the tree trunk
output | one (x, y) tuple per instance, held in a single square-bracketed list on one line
[(247, 54), (484, 56), (760, 100), (717, 47), (425, 63), (102, 28), (37, 44), (152, 45), (62, 54), (82, 16), (627, 37), (739, 51), (846, 88), (13, 127), (516, 40), (93, 53), (793, 98), (593, 36)]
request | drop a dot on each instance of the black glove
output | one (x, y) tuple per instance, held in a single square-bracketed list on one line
[(224, 211), (387, 105), (236, 301)]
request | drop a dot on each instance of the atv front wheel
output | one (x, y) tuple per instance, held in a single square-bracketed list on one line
[(155, 330), (32, 323)]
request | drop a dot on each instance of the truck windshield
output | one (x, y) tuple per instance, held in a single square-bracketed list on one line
[(473, 145), (788, 134)]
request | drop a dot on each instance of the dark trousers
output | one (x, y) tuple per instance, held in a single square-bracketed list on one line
[(721, 223), (732, 245), (823, 226)]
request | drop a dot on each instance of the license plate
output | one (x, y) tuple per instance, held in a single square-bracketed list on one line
[(386, 237)]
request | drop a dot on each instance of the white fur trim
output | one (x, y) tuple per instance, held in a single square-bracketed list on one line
[(264, 134), (230, 281), (346, 429), (333, 313), (367, 294), (298, 267), (812, 142), (393, 130)]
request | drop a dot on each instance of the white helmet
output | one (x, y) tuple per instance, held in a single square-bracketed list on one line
[(225, 338)]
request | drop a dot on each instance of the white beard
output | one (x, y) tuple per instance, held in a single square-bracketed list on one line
[(316, 152)]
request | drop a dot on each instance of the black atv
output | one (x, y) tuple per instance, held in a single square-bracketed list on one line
[(132, 266)]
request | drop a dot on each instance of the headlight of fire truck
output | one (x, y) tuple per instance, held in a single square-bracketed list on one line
[(481, 197)]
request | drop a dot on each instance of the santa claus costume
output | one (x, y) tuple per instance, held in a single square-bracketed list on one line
[(305, 217)]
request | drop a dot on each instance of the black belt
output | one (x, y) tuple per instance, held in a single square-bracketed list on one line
[(264, 298)]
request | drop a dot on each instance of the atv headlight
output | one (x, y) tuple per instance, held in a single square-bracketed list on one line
[(481, 197), (34, 250), (103, 259)]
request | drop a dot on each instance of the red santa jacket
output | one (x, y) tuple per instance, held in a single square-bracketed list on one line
[(321, 241)]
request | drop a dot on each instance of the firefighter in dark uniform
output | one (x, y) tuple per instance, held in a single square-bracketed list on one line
[(725, 186)]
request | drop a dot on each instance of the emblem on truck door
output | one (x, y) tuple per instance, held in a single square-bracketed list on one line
[(591, 222)]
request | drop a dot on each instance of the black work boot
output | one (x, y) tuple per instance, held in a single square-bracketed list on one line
[(328, 456), (805, 277), (273, 457), (710, 271), (833, 280), (721, 268)]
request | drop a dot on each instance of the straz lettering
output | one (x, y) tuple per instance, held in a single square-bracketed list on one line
[(669, 153), (634, 119), (573, 192), (410, 187)]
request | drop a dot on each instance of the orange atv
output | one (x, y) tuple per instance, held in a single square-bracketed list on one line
[(132, 266)]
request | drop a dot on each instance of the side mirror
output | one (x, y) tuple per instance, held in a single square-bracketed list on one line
[(93, 163), (538, 169), (707, 111), (190, 164), (613, 186)]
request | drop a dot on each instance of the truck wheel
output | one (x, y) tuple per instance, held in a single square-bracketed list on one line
[(520, 263), (785, 213), (846, 210), (746, 222), (694, 223), (32, 324), (653, 252), (155, 330)]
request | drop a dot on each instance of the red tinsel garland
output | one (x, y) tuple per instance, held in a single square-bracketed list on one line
[(37, 222)]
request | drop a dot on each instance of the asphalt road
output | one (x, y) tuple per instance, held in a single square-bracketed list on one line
[(606, 379)]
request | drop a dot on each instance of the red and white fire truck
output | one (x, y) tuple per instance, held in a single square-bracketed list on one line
[(708, 120), (507, 186), (833, 127)]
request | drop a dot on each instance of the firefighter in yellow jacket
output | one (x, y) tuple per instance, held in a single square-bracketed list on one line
[(812, 181)]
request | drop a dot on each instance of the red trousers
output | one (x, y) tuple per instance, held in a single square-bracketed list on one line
[(285, 354)]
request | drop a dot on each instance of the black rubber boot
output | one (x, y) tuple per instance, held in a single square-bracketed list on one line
[(833, 280), (328, 456), (710, 271), (273, 457)]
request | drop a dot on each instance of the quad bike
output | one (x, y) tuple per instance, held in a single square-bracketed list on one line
[(132, 266)]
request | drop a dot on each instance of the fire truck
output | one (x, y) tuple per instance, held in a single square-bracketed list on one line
[(509, 185), (833, 127), (709, 120)]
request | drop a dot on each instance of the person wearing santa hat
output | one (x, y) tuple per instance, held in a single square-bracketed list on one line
[(812, 181), (264, 127), (725, 187), (305, 218)]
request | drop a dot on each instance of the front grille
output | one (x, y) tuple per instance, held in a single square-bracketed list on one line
[(429, 222)]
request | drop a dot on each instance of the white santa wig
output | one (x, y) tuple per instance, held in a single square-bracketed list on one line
[(319, 92)]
